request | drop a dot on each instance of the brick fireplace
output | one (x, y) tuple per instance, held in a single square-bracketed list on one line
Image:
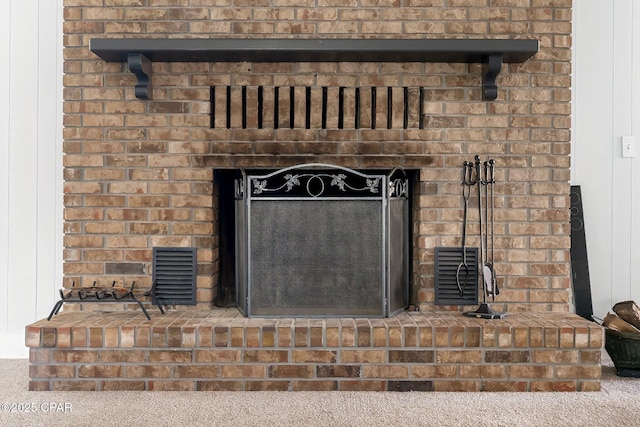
[(142, 149), (140, 174)]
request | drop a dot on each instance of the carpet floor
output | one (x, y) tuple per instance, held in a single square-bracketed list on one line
[(618, 404)]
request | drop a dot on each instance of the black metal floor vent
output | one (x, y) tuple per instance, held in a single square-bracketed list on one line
[(174, 276), (446, 285)]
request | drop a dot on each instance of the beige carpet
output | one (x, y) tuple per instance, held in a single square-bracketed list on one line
[(618, 404)]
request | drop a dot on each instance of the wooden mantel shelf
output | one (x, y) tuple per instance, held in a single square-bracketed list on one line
[(314, 50), (140, 53)]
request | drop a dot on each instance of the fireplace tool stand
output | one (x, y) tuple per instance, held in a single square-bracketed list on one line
[(487, 272)]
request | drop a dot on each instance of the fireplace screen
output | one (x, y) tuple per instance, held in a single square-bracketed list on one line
[(322, 240)]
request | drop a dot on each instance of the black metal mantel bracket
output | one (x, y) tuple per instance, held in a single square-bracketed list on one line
[(491, 69), (142, 68), (139, 54)]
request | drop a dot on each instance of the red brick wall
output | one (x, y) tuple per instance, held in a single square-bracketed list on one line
[(139, 174)]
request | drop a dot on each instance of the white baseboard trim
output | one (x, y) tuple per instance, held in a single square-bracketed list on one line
[(12, 347)]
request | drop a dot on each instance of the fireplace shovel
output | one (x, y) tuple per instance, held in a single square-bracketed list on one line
[(489, 265), (488, 271)]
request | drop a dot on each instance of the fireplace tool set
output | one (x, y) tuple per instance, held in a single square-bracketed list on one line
[(482, 176)]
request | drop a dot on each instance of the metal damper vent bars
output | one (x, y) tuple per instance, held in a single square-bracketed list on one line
[(483, 181)]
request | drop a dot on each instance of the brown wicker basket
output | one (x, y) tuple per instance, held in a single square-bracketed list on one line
[(624, 349)]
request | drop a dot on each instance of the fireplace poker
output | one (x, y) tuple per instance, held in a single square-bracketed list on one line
[(492, 180)]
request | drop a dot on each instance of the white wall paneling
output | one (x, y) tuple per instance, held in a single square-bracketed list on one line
[(621, 118), (591, 139), (30, 166), (5, 82), (606, 101), (23, 172), (49, 181), (634, 90)]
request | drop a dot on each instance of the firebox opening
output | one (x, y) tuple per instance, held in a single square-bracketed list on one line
[(224, 180), (269, 260)]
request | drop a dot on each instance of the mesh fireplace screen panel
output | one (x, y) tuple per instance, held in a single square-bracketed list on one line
[(398, 254), (241, 275), (316, 257)]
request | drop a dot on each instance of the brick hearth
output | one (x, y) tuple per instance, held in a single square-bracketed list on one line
[(220, 350)]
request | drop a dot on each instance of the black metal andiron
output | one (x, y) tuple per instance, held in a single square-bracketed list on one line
[(100, 294)]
